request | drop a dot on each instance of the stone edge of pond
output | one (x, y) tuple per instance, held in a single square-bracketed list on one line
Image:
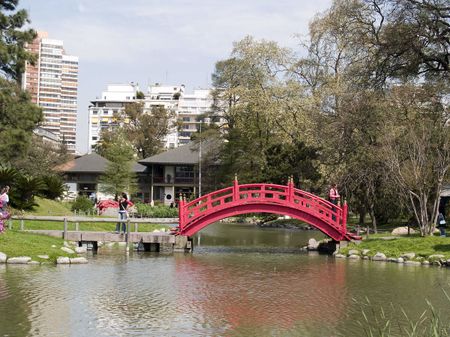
[(409, 258), (27, 260), (406, 258)]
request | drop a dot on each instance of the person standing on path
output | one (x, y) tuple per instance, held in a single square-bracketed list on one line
[(123, 206), (4, 198)]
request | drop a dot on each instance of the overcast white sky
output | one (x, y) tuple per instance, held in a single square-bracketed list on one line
[(164, 41)]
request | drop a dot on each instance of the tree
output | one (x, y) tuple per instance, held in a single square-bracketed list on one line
[(146, 130), (119, 176), (42, 157), (414, 38), (360, 54), (417, 149), (18, 118), (13, 55), (261, 107)]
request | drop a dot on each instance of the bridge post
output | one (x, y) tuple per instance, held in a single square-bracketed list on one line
[(181, 212), (290, 196), (344, 215), (235, 188)]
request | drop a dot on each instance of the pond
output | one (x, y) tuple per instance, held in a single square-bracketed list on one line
[(239, 281)]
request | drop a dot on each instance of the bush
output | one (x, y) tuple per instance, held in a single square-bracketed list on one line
[(82, 204), (24, 190), (54, 187), (156, 212)]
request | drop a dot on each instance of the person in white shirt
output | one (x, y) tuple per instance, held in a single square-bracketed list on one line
[(4, 198)]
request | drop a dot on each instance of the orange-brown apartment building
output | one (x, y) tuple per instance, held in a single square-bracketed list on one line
[(53, 85)]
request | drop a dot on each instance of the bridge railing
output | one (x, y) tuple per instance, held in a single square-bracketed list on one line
[(263, 193)]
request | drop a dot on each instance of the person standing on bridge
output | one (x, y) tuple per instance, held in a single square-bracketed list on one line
[(333, 195), (123, 206)]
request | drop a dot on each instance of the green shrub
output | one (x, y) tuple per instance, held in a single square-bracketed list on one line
[(82, 204), (156, 212), (24, 190), (54, 187)]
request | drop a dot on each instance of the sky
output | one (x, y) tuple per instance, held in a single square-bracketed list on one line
[(161, 41)]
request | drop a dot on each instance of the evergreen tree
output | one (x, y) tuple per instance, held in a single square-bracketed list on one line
[(18, 118), (13, 38)]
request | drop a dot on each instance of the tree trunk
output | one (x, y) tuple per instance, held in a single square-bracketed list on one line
[(373, 219)]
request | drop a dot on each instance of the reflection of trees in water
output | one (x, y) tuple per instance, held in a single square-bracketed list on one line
[(259, 293), (14, 308)]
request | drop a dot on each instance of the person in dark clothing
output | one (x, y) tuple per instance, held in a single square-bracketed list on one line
[(123, 206), (441, 224)]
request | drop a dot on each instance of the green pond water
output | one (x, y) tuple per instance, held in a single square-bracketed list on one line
[(239, 281)]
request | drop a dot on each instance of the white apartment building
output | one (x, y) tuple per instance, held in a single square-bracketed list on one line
[(167, 96), (190, 108), (103, 109), (53, 85), (187, 109)]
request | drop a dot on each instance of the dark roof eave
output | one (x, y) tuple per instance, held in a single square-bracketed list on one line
[(166, 163)]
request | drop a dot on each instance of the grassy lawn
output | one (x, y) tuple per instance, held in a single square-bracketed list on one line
[(84, 226), (50, 207), (14, 243), (422, 246)]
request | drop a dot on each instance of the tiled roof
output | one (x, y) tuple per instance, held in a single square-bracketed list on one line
[(186, 154), (92, 163)]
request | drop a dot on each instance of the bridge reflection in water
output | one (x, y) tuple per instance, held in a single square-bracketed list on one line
[(235, 298)]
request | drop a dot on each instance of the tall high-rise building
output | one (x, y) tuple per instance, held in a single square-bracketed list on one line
[(53, 85)]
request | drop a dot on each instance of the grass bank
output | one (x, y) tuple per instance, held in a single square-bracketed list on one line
[(14, 243), (396, 246), (48, 207)]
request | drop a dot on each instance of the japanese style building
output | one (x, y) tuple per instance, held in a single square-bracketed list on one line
[(161, 178)]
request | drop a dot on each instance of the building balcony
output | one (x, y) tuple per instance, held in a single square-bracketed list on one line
[(171, 180)]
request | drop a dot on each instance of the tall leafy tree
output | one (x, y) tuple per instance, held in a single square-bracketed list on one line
[(13, 39), (361, 54), (261, 108), (146, 129)]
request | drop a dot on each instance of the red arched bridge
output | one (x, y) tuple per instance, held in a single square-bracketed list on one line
[(264, 198)]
